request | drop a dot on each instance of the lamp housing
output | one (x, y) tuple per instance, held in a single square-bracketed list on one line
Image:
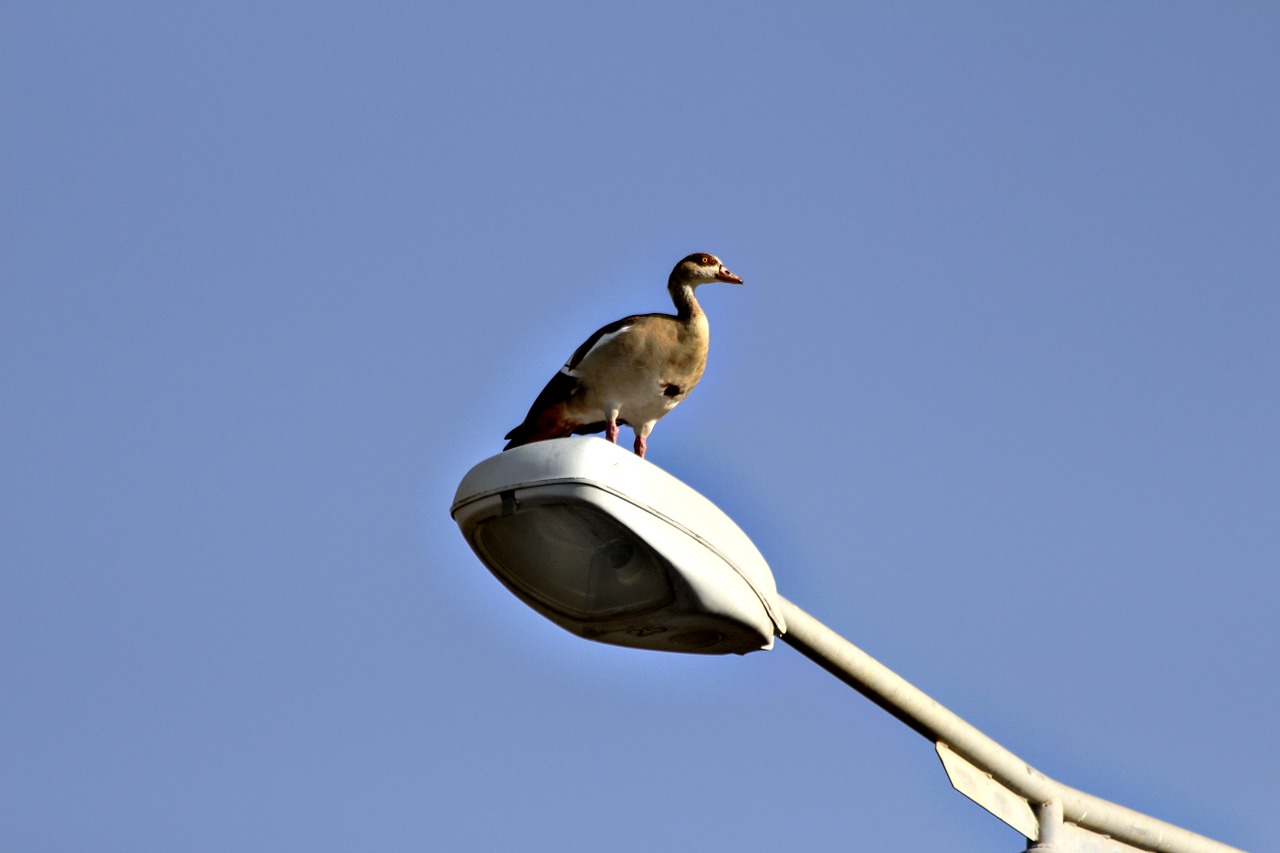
[(614, 549)]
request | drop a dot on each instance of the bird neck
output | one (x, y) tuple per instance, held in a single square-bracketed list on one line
[(682, 295)]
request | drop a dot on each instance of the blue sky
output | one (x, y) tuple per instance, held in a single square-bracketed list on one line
[(997, 401)]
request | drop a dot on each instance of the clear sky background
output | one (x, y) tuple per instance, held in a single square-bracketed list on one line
[(998, 402)]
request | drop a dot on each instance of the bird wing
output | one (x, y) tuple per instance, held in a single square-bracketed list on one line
[(551, 416), (548, 416), (602, 336)]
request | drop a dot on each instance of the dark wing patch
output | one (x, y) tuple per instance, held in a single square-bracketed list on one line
[(545, 418)]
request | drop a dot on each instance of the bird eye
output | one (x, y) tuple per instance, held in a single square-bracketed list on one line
[(705, 260)]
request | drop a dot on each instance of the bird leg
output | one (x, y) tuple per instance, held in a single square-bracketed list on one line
[(639, 445), (611, 428)]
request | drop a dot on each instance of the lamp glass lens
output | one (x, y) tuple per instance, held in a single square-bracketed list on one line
[(575, 560)]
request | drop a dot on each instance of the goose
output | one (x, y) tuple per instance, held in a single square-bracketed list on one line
[(632, 371)]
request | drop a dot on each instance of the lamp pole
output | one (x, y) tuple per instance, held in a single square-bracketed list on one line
[(1056, 817)]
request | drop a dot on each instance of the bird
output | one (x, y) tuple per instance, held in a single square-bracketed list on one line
[(631, 372)]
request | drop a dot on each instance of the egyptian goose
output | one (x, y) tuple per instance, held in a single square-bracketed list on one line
[(633, 371)]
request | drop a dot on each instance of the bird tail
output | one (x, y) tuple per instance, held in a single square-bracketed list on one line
[(528, 433), (548, 416)]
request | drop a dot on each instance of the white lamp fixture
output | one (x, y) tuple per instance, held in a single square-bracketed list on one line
[(587, 534)]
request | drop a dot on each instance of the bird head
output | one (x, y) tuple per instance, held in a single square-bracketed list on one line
[(701, 268)]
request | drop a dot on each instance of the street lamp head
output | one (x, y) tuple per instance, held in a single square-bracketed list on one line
[(614, 549)]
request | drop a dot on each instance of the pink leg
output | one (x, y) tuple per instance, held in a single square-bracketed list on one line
[(611, 430), (639, 446)]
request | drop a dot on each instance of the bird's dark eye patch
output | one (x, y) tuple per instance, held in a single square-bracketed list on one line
[(704, 260)]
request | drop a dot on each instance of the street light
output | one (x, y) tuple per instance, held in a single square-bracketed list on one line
[(616, 550)]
